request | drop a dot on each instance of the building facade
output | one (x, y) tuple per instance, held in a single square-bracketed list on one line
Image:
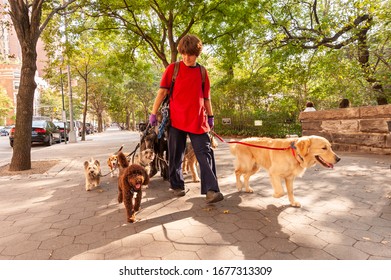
[(11, 63)]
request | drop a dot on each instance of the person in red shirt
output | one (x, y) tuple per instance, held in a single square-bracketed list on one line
[(191, 115)]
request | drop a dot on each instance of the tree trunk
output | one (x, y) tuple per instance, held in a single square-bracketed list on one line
[(363, 58), (26, 18), (100, 122), (21, 158)]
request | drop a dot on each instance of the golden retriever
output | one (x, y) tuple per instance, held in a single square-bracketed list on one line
[(284, 159)]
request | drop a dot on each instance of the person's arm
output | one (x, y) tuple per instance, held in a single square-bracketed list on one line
[(208, 107), (161, 94)]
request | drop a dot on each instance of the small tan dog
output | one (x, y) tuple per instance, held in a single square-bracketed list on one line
[(283, 159), (92, 173), (144, 158), (112, 163), (190, 161)]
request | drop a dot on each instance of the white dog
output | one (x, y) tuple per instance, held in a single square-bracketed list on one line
[(144, 158), (92, 173)]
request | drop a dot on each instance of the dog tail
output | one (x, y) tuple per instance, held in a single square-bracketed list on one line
[(123, 162), (119, 150)]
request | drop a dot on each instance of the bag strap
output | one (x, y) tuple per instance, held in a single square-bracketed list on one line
[(176, 69), (203, 75), (175, 74), (168, 96)]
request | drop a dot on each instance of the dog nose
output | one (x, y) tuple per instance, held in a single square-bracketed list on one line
[(337, 158)]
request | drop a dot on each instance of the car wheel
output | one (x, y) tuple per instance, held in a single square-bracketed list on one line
[(50, 141)]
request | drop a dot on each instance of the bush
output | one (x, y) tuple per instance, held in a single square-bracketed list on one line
[(271, 125)]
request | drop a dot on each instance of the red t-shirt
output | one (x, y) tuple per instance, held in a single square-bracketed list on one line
[(187, 110)]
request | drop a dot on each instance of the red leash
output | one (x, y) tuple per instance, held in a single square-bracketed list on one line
[(292, 146)]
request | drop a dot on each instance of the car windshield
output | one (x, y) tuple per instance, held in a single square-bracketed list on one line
[(59, 124), (38, 123)]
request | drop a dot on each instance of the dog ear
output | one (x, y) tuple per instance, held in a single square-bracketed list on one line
[(86, 164), (303, 146), (97, 162)]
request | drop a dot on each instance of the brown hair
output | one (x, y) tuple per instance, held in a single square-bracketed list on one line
[(344, 103), (190, 45), (309, 104)]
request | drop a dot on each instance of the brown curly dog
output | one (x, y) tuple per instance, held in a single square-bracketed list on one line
[(131, 179)]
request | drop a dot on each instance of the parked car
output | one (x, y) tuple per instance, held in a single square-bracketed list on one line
[(77, 125), (42, 131), (3, 132), (60, 126)]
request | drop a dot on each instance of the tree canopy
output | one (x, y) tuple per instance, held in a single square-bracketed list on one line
[(263, 57)]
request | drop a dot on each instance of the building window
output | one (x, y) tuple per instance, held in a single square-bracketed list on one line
[(16, 84), (16, 74)]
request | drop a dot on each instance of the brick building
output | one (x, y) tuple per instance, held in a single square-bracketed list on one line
[(11, 62)]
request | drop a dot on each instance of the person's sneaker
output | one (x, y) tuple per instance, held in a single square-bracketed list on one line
[(212, 197), (178, 192)]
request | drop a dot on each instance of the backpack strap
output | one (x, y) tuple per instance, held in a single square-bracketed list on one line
[(176, 69), (175, 74), (203, 75), (168, 96)]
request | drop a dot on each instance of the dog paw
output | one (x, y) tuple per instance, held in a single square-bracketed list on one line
[(132, 219), (196, 180), (278, 195), (249, 190), (295, 204)]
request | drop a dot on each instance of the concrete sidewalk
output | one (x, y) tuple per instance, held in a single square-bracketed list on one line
[(345, 214)]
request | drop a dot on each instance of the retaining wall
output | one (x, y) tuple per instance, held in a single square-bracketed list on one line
[(359, 129)]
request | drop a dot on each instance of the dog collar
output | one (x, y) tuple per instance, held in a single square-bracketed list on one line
[(294, 152)]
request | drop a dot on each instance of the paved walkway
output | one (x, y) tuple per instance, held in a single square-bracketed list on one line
[(345, 214)]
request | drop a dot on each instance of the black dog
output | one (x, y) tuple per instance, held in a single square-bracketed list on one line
[(149, 140)]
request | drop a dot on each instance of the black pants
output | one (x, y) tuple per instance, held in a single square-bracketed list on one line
[(204, 155)]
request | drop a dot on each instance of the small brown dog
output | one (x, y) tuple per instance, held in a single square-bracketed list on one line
[(131, 179), (92, 173)]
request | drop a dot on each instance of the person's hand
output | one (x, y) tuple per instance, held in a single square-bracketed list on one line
[(211, 121), (152, 120)]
